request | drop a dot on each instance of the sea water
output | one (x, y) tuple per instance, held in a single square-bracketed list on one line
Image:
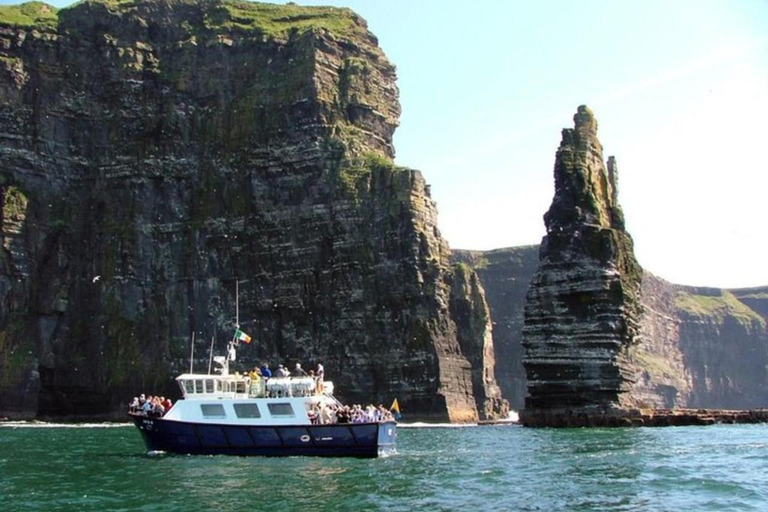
[(488, 468)]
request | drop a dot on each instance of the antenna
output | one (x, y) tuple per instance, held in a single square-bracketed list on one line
[(210, 358), (192, 352)]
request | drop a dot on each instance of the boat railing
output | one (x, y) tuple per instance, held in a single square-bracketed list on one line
[(246, 386), (280, 387)]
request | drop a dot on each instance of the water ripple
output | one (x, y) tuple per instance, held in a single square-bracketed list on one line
[(488, 468)]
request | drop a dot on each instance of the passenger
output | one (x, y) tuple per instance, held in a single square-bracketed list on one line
[(146, 408), (312, 391), (299, 371), (319, 377), (313, 414), (265, 371), (325, 414), (167, 403), (255, 376), (157, 407), (282, 372), (344, 414), (334, 414), (384, 414)]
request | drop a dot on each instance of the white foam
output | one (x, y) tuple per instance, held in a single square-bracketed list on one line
[(44, 424), (435, 425), (511, 418)]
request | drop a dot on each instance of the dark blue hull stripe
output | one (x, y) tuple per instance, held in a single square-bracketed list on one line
[(337, 440)]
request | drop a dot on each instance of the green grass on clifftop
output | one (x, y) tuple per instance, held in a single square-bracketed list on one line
[(219, 15), (278, 20), (717, 307), (31, 14)]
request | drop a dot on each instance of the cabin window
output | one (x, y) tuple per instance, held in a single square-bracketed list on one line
[(209, 386), (281, 409), (199, 386), (213, 411), (247, 411)]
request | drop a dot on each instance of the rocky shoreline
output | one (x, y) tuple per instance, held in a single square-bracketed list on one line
[(565, 418)]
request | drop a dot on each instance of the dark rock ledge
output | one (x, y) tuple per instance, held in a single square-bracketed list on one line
[(563, 418)]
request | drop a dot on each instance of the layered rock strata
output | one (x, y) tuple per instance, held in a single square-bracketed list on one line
[(698, 347), (701, 348), (583, 305), (505, 275), (471, 313), (155, 152)]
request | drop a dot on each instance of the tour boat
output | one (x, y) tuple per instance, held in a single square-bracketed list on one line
[(234, 414)]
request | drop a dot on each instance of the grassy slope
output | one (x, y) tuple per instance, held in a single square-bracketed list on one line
[(30, 14), (717, 307), (268, 19)]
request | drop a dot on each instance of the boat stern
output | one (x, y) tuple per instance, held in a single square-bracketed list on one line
[(387, 438)]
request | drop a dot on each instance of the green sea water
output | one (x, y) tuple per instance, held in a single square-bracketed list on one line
[(97, 467)]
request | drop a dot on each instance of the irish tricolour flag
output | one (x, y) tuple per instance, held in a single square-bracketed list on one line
[(240, 335)]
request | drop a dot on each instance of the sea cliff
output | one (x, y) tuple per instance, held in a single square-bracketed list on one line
[(698, 347), (154, 153)]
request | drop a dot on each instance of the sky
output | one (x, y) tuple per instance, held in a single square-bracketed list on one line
[(679, 89)]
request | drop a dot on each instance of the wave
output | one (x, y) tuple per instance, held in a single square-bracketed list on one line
[(511, 419), (435, 425), (44, 424)]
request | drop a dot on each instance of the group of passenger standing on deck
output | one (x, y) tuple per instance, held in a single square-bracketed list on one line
[(282, 372), (323, 414), (150, 405)]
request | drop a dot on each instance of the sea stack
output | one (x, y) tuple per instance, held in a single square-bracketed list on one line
[(583, 305)]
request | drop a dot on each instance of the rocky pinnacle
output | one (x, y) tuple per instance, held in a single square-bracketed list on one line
[(582, 307)]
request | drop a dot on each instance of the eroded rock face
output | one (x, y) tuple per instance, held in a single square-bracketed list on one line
[(698, 347), (470, 311), (583, 304), (165, 149), (701, 347), (505, 275)]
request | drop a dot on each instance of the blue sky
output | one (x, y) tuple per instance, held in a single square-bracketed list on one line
[(679, 88)]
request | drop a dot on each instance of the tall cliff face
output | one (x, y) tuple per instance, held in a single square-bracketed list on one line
[(472, 315), (505, 275), (583, 304), (701, 347), (155, 152), (697, 348)]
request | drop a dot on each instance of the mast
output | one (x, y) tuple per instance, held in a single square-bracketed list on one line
[(192, 352), (210, 357)]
